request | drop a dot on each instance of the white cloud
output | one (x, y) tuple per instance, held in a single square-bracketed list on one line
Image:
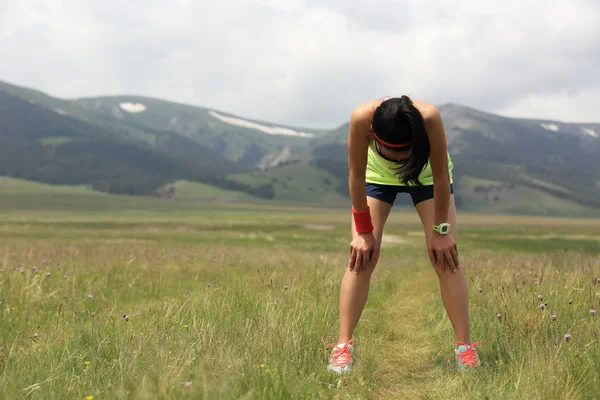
[(580, 106), (308, 63)]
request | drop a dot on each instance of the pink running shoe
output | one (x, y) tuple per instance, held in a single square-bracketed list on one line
[(466, 355), (341, 357)]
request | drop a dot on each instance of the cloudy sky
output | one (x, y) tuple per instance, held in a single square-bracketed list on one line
[(309, 62)]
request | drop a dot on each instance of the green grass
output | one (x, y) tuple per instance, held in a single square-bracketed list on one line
[(194, 191), (204, 293)]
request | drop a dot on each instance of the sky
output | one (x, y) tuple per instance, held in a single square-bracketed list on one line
[(308, 63)]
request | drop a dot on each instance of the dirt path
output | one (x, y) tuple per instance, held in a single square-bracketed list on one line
[(407, 360)]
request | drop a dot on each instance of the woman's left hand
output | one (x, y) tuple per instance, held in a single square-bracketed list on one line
[(442, 249)]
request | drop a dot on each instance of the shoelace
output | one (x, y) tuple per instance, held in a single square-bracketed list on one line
[(469, 357), (341, 356)]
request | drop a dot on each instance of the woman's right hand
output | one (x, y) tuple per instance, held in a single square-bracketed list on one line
[(364, 252)]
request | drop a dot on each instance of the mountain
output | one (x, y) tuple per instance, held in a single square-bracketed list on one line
[(503, 154), (141, 145), (245, 141), (41, 144)]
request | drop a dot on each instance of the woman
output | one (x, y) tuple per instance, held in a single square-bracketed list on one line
[(399, 146)]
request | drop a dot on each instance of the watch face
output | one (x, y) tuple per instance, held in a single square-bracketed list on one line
[(444, 228)]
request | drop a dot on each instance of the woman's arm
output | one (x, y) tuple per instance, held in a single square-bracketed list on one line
[(358, 143), (363, 249), (442, 248), (439, 164)]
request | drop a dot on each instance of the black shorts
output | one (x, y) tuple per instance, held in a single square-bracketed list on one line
[(388, 193)]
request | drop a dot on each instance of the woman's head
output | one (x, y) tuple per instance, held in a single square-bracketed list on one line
[(400, 134)]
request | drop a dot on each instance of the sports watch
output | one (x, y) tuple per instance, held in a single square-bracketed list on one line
[(442, 229)]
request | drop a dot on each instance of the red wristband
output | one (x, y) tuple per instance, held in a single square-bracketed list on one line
[(362, 220)]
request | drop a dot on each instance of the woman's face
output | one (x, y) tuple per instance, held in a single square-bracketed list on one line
[(393, 155)]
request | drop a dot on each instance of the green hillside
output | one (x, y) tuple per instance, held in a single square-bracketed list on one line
[(39, 144), (496, 197), (18, 195), (297, 183)]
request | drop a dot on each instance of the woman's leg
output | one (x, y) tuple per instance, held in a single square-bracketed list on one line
[(355, 286), (453, 285)]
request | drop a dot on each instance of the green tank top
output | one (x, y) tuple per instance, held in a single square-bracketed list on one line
[(383, 172)]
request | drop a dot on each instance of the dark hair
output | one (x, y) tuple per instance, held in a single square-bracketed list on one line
[(397, 121)]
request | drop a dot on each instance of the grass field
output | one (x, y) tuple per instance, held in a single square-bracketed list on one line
[(237, 301)]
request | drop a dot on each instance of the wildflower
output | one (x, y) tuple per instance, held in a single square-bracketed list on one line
[(592, 311), (137, 313), (34, 269), (1, 270), (47, 274), (126, 317), (89, 397), (566, 287), (540, 297), (480, 290), (208, 285), (1, 348), (65, 276), (262, 365), (567, 337), (286, 287), (553, 317), (87, 363), (570, 301), (35, 335), (542, 306), (188, 384), (499, 316), (21, 348), (90, 296), (93, 313), (267, 371), (43, 261)]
